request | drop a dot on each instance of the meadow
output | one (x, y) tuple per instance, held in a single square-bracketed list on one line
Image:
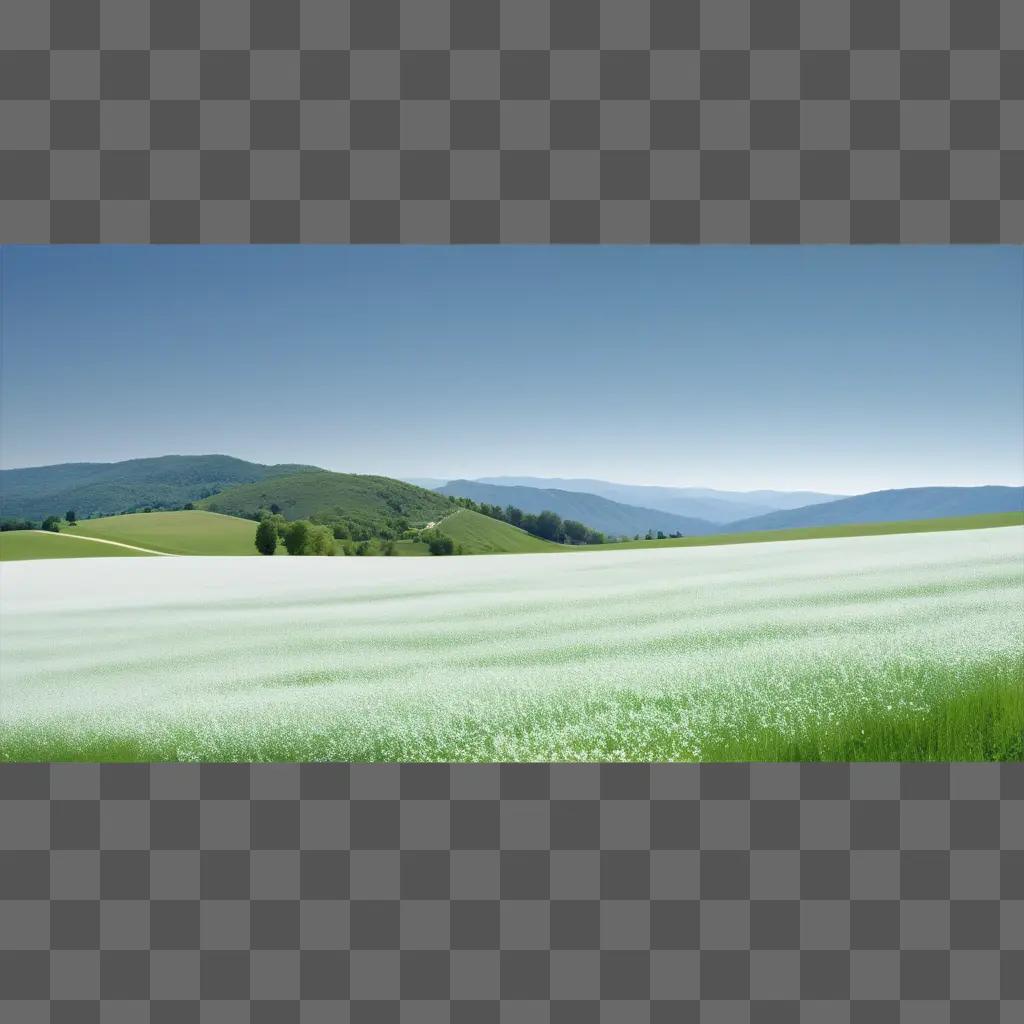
[(890, 647), (176, 533), (17, 545)]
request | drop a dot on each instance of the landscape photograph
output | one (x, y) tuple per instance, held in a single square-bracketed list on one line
[(511, 504)]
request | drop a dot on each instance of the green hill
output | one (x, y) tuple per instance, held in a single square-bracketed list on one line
[(176, 533), (480, 535), (105, 488), (369, 501), (20, 545)]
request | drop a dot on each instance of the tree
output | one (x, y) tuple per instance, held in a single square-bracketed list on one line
[(266, 537), (441, 544), (575, 532), (388, 548), (71, 517), (295, 537), (52, 524), (188, 507), (549, 526), (319, 541), (275, 509)]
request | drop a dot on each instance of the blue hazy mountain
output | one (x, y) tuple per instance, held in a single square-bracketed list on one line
[(611, 517), (695, 502), (891, 506), (431, 483)]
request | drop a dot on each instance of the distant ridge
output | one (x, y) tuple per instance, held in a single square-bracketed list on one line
[(891, 506), (105, 488), (611, 517), (696, 502)]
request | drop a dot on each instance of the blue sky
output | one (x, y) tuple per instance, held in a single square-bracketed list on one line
[(832, 368)]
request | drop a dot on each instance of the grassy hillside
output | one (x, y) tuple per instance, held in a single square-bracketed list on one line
[(104, 488), (610, 517), (980, 522), (348, 495), (20, 545), (177, 533), (890, 506), (481, 535)]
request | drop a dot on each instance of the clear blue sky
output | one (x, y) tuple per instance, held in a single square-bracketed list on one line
[(832, 368)]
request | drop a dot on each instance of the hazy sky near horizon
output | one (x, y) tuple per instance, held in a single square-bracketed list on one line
[(827, 368)]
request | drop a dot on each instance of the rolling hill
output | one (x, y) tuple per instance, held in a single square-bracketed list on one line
[(695, 502), (22, 545), (891, 506), (348, 495), (175, 533), (480, 535), (105, 488), (598, 513)]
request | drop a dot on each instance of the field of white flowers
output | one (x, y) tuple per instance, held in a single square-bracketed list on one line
[(667, 654)]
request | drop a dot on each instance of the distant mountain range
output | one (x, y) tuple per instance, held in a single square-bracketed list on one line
[(696, 502), (891, 506), (236, 486), (611, 517)]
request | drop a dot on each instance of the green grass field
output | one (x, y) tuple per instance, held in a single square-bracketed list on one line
[(207, 533), (978, 522), (21, 545), (177, 533)]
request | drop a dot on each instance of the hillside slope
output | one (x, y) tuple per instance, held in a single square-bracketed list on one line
[(891, 506), (598, 513), (348, 495), (105, 488), (700, 503), (22, 545), (176, 533), (481, 535)]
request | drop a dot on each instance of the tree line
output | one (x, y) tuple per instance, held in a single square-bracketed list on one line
[(50, 523)]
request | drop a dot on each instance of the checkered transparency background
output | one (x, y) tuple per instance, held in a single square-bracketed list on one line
[(512, 121), (539, 894)]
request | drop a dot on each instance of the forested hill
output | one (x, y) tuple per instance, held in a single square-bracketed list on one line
[(105, 488)]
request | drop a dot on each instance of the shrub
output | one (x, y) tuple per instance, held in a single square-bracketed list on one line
[(51, 523), (440, 544), (319, 541), (266, 538), (295, 537)]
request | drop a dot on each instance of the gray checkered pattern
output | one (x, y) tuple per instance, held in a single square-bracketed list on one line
[(512, 121), (525, 893)]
